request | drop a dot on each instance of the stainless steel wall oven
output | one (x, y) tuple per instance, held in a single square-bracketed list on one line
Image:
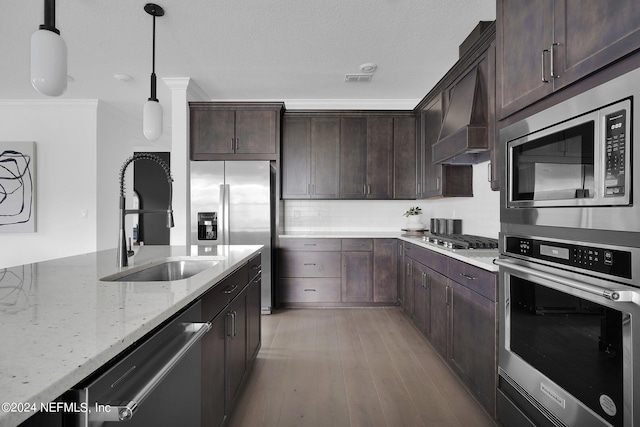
[(569, 265)]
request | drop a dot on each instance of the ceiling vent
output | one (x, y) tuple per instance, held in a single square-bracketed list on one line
[(358, 78)]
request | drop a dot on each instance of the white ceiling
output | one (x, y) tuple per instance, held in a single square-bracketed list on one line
[(283, 50)]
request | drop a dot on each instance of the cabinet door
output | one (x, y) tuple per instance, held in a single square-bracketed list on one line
[(256, 131), (379, 158), (439, 311), (385, 270), (212, 132), (409, 291), (422, 298), (400, 273), (404, 158), (254, 325), (473, 347), (212, 383), (296, 158), (591, 34), (236, 347), (357, 277), (353, 157), (521, 76), (431, 123), (325, 157)]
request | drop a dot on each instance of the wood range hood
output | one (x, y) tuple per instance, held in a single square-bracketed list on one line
[(463, 135)]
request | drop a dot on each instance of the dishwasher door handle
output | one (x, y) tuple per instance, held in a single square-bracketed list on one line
[(125, 412)]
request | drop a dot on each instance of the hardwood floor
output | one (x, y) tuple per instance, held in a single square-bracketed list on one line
[(351, 367)]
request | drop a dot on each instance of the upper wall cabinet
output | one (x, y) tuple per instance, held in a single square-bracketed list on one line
[(235, 131), (404, 157), (310, 157), (545, 45), (366, 157)]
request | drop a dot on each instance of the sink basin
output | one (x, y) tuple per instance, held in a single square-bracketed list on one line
[(164, 271)]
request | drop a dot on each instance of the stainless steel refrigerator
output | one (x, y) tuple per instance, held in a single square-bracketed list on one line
[(233, 203)]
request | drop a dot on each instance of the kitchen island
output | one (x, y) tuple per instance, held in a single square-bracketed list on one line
[(61, 323)]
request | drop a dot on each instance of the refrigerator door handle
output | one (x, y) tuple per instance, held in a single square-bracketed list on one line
[(225, 190)]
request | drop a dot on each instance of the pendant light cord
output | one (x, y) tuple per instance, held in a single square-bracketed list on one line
[(49, 16), (153, 63)]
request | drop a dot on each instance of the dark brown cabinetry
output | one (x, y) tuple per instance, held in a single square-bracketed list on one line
[(229, 349), (385, 271), (366, 157), (439, 180), (454, 306), (564, 41), (357, 270), (404, 158), (337, 272), (311, 157), (235, 131)]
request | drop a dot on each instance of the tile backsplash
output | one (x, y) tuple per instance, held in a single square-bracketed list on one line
[(480, 214)]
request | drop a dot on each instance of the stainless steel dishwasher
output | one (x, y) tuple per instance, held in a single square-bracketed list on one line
[(156, 384)]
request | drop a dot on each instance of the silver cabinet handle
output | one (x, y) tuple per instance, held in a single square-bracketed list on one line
[(237, 143), (232, 145), (551, 62), (544, 77), (466, 276), (364, 189), (231, 289), (447, 298), (126, 412), (489, 172), (310, 290), (309, 244), (310, 263)]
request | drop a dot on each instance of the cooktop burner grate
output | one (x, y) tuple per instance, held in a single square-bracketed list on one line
[(462, 241)]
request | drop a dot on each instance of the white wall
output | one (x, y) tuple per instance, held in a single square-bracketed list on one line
[(80, 145), (480, 214), (65, 136)]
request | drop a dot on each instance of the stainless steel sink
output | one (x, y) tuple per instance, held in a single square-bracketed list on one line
[(163, 271)]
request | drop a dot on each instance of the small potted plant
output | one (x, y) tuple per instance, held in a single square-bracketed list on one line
[(414, 217)]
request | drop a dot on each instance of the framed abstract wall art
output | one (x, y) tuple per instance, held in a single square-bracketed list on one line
[(17, 187)]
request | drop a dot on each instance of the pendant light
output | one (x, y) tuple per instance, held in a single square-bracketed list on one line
[(152, 112), (48, 55)]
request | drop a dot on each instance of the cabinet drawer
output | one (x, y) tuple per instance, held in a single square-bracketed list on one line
[(310, 290), (357, 245), (309, 264), (254, 266), (310, 244), (431, 259), (214, 300), (478, 280)]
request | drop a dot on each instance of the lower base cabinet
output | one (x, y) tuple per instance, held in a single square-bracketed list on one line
[(229, 349), (337, 272), (457, 314)]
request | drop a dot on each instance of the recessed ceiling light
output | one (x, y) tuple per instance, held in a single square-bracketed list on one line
[(123, 77), (368, 67)]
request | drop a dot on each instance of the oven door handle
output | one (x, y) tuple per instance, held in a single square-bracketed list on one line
[(610, 294)]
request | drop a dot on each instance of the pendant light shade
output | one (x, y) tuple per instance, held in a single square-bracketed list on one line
[(152, 111), (152, 120), (48, 56)]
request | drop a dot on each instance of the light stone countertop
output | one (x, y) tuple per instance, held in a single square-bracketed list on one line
[(482, 258), (59, 323)]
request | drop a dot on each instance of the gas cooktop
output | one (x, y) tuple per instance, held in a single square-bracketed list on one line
[(461, 241)]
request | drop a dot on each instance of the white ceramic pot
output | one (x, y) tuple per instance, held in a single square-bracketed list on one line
[(414, 222)]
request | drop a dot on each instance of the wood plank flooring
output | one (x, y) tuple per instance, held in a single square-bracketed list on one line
[(351, 367)]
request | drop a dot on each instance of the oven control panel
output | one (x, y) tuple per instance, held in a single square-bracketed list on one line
[(592, 258), (615, 147)]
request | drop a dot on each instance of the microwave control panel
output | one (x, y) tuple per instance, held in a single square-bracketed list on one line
[(603, 260), (615, 147)]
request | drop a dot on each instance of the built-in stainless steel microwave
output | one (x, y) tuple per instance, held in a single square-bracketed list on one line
[(570, 168)]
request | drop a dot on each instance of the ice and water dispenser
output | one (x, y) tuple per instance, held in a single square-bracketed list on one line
[(207, 226)]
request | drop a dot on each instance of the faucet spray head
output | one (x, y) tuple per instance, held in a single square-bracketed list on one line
[(170, 223)]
